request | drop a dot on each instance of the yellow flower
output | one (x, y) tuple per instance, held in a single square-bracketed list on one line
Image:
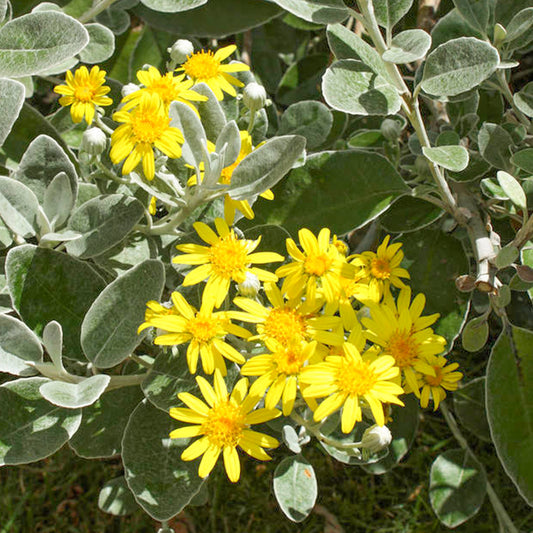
[(352, 381), (288, 321), (279, 370), (84, 91), (404, 334), (382, 268), (145, 127), (226, 259), (320, 264), (444, 379), (155, 310), (222, 423), (207, 67), (204, 330), (169, 88)]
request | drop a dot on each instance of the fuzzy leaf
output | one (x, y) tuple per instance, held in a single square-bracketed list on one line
[(116, 498), (19, 208), (13, 94), (173, 6), (101, 44), (475, 334), (453, 158), (408, 46), (523, 99), (494, 145), (58, 200), (389, 12), (512, 188), (475, 12), (75, 395), (469, 406), (318, 11)]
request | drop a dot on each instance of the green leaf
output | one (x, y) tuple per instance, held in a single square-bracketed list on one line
[(45, 286), (58, 200), (458, 66), (449, 157), (161, 482), (519, 29), (211, 113), (452, 26), (434, 260), (19, 208), (75, 395), (477, 168), (312, 120), (409, 214), (494, 145), (350, 86), (265, 166), (469, 406), (457, 487), (295, 487), (366, 139), (389, 12), (116, 498), (475, 334), (101, 44), (475, 12), (214, 19), (318, 11), (109, 329), (172, 6), (103, 423), (523, 99), (403, 428), (38, 41), (345, 44), (167, 378), (408, 46), (512, 188), (42, 162), (103, 222), (32, 428), (13, 94), (53, 343), (524, 160), (18, 344), (150, 49), (117, 20), (229, 142), (312, 199), (510, 406), (506, 256)]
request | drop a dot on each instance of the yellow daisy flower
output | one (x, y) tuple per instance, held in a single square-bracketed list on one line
[(382, 268), (404, 334), (279, 370), (223, 423), (169, 88), (155, 310), (204, 330), (319, 265), (352, 381), (207, 67), (84, 91), (434, 387), (145, 127), (288, 320), (226, 259)]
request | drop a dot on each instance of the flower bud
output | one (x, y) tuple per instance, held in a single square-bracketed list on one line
[(375, 438), (250, 286), (391, 129), (180, 50), (500, 33), (93, 141), (128, 89), (254, 96)]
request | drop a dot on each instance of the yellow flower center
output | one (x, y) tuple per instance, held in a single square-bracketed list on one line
[(84, 93), (284, 325), (229, 258), (403, 348), (202, 66), (148, 127), (165, 88), (203, 328), (317, 264), (355, 377), (224, 425), (380, 268), (289, 360), (435, 381)]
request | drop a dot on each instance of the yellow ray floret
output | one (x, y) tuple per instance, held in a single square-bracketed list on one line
[(144, 128), (204, 330), (83, 92), (226, 259), (223, 423), (207, 67), (352, 381)]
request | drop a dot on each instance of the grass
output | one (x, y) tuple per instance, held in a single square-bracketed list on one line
[(60, 495)]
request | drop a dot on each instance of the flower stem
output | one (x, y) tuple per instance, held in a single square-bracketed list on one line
[(499, 509), (95, 10)]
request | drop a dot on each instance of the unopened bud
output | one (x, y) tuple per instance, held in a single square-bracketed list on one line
[(375, 438), (93, 141), (500, 33), (250, 286), (465, 283), (128, 89), (254, 97), (180, 50), (391, 129)]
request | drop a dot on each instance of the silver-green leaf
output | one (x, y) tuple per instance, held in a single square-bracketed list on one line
[(75, 395), (13, 94), (318, 11), (512, 188), (408, 46), (101, 44), (389, 12), (452, 157), (19, 208)]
